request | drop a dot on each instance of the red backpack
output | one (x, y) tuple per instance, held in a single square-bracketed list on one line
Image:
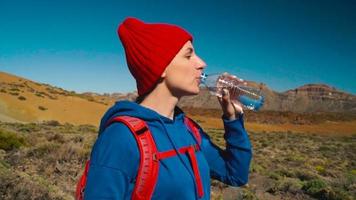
[(149, 158)]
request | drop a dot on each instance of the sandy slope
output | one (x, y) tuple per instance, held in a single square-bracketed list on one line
[(4, 118), (63, 108)]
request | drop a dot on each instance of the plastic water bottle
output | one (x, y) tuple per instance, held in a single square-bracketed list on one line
[(248, 95)]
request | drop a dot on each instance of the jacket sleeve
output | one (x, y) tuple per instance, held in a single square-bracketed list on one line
[(113, 165), (231, 165)]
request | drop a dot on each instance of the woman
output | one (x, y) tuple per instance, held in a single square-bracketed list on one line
[(162, 59)]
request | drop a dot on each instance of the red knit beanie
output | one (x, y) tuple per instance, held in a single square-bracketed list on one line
[(149, 48)]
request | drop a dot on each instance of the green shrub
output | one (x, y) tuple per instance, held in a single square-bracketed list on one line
[(14, 89), (14, 93), (10, 141), (274, 175), (295, 158), (320, 169), (316, 188), (286, 184), (28, 128), (353, 172), (4, 166), (255, 167), (283, 171), (247, 195)]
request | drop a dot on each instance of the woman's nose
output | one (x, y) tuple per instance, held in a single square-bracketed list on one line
[(200, 63)]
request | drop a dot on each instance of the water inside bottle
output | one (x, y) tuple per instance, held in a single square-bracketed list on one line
[(251, 100), (248, 96)]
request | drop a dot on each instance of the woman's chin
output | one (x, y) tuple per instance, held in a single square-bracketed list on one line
[(194, 92), (191, 92)]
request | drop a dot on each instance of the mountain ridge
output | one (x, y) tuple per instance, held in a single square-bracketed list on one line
[(23, 100)]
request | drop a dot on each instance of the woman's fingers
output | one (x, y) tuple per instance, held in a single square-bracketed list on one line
[(238, 107), (231, 106), (226, 104), (226, 95)]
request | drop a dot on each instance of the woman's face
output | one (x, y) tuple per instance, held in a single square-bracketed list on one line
[(182, 75)]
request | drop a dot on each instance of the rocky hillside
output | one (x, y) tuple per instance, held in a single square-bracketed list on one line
[(307, 98)]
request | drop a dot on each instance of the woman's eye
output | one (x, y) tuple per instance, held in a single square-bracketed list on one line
[(188, 56)]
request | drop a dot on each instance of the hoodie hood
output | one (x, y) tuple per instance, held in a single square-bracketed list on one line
[(133, 109)]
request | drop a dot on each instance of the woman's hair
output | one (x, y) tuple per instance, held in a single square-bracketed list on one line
[(139, 99)]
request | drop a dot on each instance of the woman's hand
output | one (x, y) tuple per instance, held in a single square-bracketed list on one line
[(229, 109)]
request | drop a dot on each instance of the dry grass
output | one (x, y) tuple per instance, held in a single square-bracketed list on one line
[(47, 166), (285, 165), (296, 166)]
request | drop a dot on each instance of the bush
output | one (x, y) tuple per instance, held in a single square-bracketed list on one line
[(42, 108), (52, 123), (254, 167), (316, 188), (22, 98), (274, 175), (285, 172), (28, 128), (14, 89), (10, 141), (286, 184), (247, 195)]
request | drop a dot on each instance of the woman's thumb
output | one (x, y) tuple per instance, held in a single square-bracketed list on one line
[(225, 95)]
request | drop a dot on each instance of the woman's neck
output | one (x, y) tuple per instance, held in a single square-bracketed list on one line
[(161, 101)]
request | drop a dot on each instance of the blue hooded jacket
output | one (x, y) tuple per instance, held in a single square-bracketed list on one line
[(115, 156)]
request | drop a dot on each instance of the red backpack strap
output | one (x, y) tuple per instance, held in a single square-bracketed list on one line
[(148, 169), (79, 194), (193, 127)]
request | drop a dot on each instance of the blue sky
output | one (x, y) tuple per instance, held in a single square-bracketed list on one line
[(285, 44)]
